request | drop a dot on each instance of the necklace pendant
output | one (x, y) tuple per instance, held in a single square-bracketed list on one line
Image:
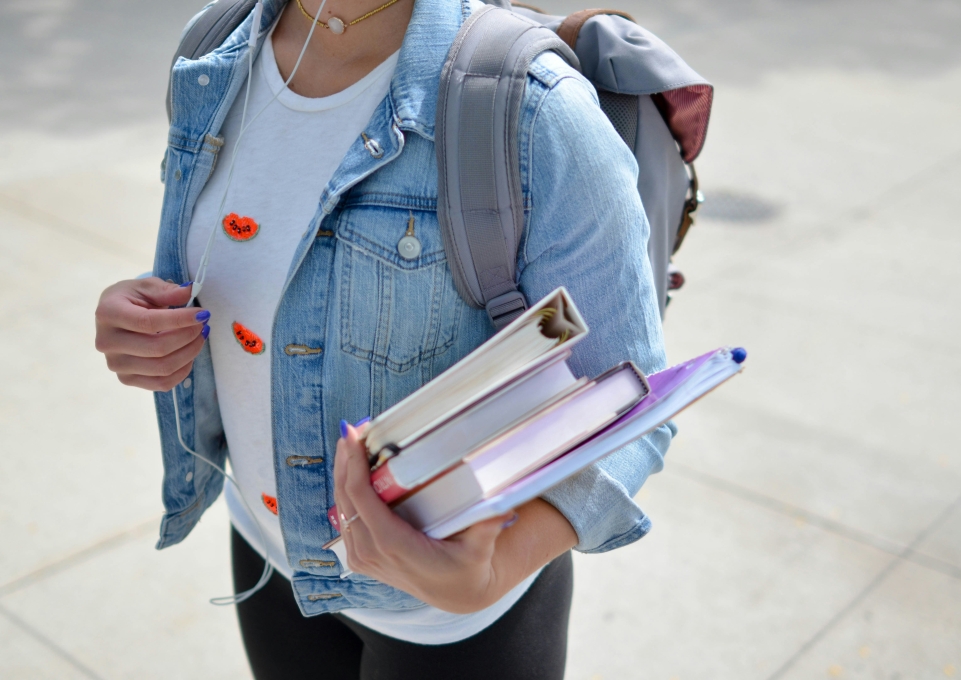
[(336, 25)]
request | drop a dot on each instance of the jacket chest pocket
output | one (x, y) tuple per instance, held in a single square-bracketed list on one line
[(398, 304)]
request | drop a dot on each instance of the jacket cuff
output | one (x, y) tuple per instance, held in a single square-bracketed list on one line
[(600, 506)]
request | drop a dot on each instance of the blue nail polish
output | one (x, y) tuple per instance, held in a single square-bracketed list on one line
[(203, 316), (739, 354), (362, 421), (343, 429), (205, 331), (184, 285), (511, 522)]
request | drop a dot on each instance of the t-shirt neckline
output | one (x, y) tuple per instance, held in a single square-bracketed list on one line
[(296, 102)]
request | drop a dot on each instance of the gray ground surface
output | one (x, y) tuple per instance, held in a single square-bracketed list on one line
[(808, 522)]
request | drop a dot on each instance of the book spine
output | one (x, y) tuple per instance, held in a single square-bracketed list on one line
[(333, 518), (386, 485)]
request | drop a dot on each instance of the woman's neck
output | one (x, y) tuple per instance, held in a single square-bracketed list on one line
[(334, 62)]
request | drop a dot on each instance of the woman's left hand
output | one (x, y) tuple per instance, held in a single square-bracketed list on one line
[(458, 574)]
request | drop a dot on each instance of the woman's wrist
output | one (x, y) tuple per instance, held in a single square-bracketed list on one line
[(537, 534)]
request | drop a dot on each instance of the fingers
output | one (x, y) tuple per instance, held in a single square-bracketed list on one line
[(119, 312), (341, 455), (162, 366), (352, 530), (377, 537), (159, 293), (116, 341), (155, 384), (344, 506), (141, 306)]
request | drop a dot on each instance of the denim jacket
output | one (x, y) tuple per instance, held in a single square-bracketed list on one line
[(383, 325)]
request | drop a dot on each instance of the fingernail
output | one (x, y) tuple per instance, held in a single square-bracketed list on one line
[(205, 331), (203, 316), (362, 421), (343, 429), (511, 522), (184, 285)]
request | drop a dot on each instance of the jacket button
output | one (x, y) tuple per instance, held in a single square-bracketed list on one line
[(204, 80), (317, 563), (296, 350), (295, 461), (409, 248), (323, 596), (372, 145)]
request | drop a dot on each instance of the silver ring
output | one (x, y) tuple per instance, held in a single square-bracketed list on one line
[(345, 523)]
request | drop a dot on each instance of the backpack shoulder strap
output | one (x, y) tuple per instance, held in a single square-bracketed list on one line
[(479, 204), (209, 31)]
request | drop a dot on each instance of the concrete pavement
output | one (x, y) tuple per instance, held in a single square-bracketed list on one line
[(808, 521)]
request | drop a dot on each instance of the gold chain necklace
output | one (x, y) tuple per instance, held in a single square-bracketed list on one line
[(338, 26)]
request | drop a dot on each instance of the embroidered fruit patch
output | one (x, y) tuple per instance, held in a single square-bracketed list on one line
[(270, 502), (240, 228), (249, 340)]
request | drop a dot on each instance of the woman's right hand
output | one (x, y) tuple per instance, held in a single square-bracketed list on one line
[(146, 343)]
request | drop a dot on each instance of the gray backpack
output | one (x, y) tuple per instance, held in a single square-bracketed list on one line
[(659, 106)]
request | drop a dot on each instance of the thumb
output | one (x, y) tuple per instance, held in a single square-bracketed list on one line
[(159, 293)]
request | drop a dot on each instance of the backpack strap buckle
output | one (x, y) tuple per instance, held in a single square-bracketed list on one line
[(505, 308), (694, 199)]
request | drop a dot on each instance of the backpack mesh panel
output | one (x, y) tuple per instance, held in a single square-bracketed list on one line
[(621, 110)]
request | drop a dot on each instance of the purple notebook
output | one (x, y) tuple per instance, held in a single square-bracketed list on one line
[(662, 384)]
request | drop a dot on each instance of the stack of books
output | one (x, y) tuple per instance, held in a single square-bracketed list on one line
[(510, 420)]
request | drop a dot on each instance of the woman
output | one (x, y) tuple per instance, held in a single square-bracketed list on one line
[(311, 314)]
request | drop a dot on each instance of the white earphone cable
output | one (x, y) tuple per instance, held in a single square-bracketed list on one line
[(268, 567), (205, 259), (202, 275)]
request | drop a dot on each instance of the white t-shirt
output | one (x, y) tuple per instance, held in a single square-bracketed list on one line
[(287, 156)]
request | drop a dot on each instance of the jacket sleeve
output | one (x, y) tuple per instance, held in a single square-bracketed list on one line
[(587, 231)]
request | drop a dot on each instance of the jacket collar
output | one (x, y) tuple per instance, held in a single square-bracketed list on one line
[(413, 90)]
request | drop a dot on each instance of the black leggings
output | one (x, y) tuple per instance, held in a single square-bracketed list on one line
[(529, 642)]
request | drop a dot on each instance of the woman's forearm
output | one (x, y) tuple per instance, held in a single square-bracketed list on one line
[(540, 534)]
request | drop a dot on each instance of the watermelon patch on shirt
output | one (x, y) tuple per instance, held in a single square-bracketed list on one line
[(269, 502), (240, 228), (249, 341)]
